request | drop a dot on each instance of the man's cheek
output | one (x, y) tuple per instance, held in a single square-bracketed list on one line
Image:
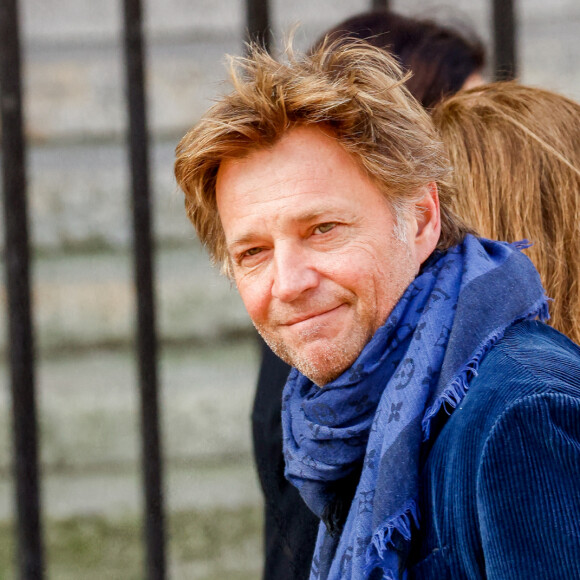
[(255, 301)]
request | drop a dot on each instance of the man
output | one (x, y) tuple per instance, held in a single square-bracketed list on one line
[(443, 60), (314, 184)]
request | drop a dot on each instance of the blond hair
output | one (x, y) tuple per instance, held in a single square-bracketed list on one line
[(516, 157), (350, 88)]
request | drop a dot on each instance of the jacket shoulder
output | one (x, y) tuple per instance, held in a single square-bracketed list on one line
[(505, 465), (531, 358)]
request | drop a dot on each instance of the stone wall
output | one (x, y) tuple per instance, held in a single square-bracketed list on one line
[(76, 112)]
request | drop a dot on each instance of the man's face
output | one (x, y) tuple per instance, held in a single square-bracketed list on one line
[(313, 249)]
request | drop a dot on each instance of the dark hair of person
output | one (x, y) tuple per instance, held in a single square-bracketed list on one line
[(440, 58)]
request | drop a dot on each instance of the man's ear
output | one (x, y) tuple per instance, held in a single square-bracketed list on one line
[(428, 222)]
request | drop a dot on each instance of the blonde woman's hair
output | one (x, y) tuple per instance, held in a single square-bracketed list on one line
[(516, 157), (352, 89)]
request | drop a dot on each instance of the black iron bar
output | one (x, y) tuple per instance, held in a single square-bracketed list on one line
[(20, 334), (504, 40), (154, 527), (258, 23)]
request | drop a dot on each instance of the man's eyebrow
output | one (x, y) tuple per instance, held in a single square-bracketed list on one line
[(302, 218), (313, 215), (240, 241)]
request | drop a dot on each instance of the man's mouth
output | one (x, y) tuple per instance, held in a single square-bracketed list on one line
[(318, 315)]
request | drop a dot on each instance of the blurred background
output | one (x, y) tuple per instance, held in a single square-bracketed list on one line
[(82, 280)]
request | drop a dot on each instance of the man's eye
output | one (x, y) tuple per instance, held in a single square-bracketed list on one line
[(323, 228), (252, 251)]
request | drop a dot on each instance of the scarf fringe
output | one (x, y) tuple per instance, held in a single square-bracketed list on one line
[(521, 245), (457, 388), (379, 546)]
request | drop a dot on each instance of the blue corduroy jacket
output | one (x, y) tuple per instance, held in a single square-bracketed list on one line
[(500, 487)]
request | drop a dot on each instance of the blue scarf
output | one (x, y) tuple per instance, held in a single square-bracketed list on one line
[(352, 448)]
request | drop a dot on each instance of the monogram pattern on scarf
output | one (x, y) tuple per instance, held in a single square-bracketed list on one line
[(375, 416)]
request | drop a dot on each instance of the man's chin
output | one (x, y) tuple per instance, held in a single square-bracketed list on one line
[(320, 365)]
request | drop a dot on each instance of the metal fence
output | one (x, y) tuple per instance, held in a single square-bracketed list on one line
[(17, 259)]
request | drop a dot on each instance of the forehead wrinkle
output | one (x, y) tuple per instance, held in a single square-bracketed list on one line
[(288, 186), (286, 192)]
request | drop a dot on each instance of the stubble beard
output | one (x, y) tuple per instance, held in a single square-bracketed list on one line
[(327, 361)]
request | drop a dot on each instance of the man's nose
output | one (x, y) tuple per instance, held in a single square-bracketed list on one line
[(293, 273)]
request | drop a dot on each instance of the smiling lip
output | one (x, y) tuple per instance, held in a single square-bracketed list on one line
[(307, 317)]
